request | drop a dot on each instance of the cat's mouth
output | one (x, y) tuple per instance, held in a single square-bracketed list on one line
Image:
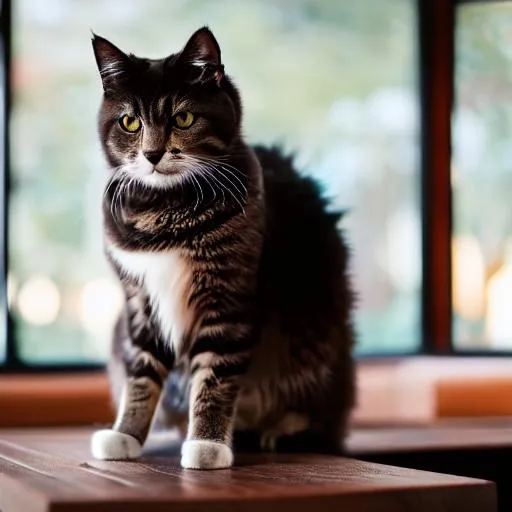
[(165, 171), (163, 174), (169, 168)]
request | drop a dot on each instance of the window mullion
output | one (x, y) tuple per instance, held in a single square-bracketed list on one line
[(436, 29)]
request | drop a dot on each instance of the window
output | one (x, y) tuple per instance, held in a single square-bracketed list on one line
[(482, 177), (361, 92), (336, 82)]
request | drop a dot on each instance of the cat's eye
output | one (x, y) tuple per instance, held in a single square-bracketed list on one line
[(130, 124), (184, 119)]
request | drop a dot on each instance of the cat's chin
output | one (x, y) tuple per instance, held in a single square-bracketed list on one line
[(161, 181)]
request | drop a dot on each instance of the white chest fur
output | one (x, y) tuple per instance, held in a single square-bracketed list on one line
[(166, 277)]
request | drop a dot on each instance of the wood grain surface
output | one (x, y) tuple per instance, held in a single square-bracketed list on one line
[(51, 470)]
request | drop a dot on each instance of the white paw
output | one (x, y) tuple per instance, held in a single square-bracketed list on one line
[(206, 455), (112, 445)]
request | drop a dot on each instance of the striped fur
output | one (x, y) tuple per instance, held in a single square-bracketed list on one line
[(237, 301)]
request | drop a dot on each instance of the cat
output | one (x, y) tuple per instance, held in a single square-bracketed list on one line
[(238, 312)]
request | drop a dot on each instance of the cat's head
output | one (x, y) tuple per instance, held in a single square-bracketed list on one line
[(161, 118)]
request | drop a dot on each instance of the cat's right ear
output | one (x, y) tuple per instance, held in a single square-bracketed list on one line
[(112, 62)]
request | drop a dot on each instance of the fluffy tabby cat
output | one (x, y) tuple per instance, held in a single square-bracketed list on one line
[(237, 301)]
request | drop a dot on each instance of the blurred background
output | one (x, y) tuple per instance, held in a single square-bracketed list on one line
[(336, 83), (482, 177)]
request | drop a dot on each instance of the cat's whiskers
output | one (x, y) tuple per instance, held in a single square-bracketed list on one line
[(207, 173), (235, 177), (225, 167), (207, 167), (116, 200), (205, 176), (222, 187), (110, 181), (189, 173), (217, 175), (188, 163), (116, 173), (195, 181), (221, 160), (123, 190), (106, 192), (118, 181), (133, 180), (240, 197)]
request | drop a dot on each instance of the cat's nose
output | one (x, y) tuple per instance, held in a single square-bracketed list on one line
[(154, 156)]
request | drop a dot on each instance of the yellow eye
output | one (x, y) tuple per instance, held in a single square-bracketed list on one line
[(130, 124), (184, 119)]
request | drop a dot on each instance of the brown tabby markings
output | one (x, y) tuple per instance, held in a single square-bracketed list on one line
[(233, 271)]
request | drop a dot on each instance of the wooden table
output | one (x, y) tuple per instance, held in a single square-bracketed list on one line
[(51, 470)]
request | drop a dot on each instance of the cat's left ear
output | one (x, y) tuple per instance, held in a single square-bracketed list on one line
[(112, 63), (203, 51)]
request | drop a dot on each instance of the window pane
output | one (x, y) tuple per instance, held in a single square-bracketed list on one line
[(482, 177), (334, 81), (4, 292)]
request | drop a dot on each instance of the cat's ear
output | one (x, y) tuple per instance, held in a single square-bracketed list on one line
[(203, 51), (112, 62)]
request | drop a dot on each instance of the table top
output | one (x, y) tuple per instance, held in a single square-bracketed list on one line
[(52, 470)]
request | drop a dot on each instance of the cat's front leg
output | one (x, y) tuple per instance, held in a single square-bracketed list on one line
[(139, 399), (220, 357), (144, 363)]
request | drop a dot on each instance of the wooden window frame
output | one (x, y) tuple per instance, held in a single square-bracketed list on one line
[(436, 57)]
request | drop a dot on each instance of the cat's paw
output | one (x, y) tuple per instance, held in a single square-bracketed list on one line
[(201, 454), (112, 445)]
